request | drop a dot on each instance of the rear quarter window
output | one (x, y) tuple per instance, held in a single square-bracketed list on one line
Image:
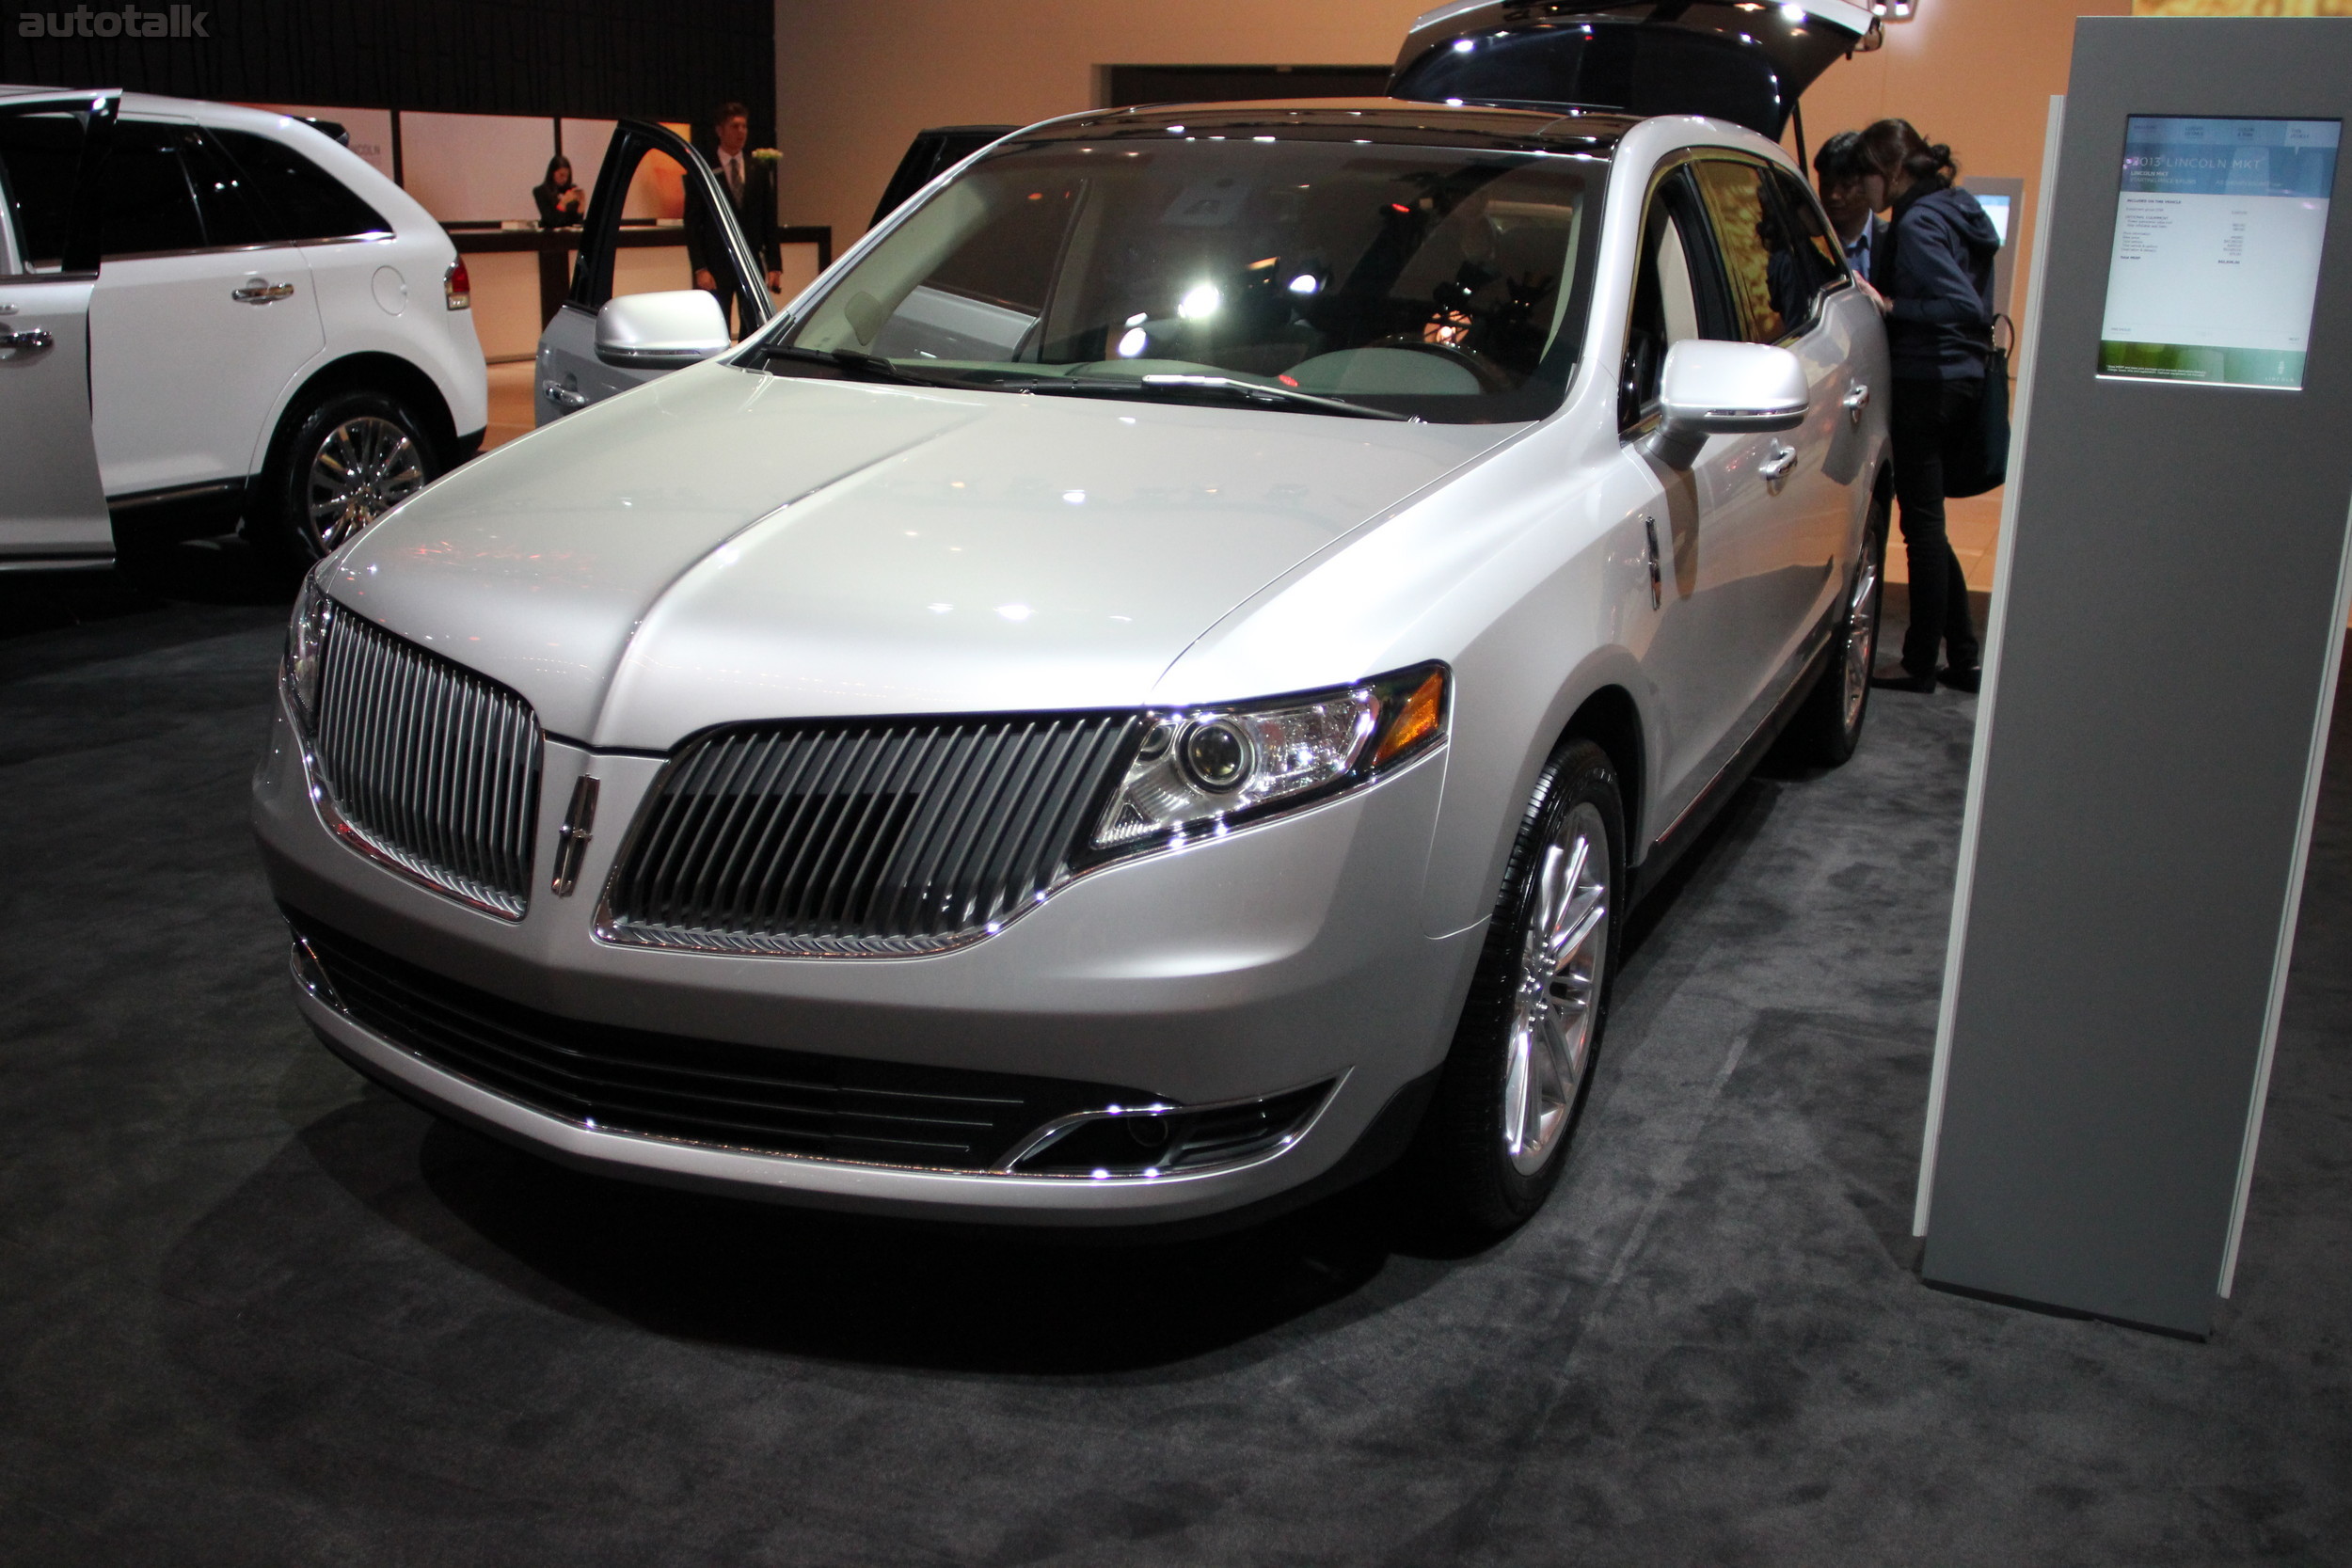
[(301, 200)]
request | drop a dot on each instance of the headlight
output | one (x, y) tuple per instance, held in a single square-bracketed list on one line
[(306, 650), (1201, 769)]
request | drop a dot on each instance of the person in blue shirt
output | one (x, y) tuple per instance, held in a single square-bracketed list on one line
[(1932, 268)]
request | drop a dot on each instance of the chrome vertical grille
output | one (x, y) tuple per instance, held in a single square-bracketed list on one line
[(427, 765), (861, 836)]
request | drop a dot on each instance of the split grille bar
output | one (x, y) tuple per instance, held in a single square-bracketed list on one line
[(862, 836), (430, 766)]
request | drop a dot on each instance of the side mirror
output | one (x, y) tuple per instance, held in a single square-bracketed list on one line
[(660, 331), (1717, 388)]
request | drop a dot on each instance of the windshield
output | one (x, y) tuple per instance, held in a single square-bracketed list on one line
[(1432, 283)]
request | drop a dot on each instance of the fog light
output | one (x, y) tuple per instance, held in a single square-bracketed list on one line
[(1160, 1139)]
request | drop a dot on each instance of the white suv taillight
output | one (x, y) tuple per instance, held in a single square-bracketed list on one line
[(456, 287)]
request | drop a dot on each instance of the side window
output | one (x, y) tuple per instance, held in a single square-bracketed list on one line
[(1677, 294), (40, 157), (300, 199), (1820, 260), (231, 217), (1759, 254), (145, 201), (984, 298)]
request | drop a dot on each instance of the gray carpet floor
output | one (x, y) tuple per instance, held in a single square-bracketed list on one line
[(253, 1312)]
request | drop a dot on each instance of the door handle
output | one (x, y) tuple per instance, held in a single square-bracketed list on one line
[(563, 397), (1775, 467), (31, 341), (257, 291), (1856, 401)]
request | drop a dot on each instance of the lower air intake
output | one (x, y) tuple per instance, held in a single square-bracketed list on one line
[(691, 1090)]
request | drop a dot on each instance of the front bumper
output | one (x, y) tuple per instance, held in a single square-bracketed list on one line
[(1284, 955)]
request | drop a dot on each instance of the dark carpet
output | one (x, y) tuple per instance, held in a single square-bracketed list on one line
[(252, 1312)]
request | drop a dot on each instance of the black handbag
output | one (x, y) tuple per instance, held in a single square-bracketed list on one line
[(1975, 446)]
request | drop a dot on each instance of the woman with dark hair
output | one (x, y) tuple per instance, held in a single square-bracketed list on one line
[(561, 202), (1935, 268)]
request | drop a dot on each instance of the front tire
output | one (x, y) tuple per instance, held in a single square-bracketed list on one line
[(1508, 1099), (345, 459)]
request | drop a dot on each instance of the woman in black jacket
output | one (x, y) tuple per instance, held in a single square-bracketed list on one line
[(561, 202), (1935, 270)]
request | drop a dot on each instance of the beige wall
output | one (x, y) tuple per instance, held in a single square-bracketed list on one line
[(855, 82)]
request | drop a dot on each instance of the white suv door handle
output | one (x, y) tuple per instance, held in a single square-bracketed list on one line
[(563, 397), (257, 291), (1775, 467), (31, 341), (1856, 401)]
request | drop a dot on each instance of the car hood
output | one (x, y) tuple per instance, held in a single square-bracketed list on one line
[(728, 545)]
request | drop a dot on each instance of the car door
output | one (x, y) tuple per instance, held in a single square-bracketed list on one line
[(197, 325), (570, 374), (1698, 649), (1831, 373), (1766, 512), (53, 509)]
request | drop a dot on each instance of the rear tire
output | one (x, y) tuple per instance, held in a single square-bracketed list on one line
[(343, 460), (1828, 727), (1493, 1144)]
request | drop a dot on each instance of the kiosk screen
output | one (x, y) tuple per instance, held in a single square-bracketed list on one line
[(2217, 233)]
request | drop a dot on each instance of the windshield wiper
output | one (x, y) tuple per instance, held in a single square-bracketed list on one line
[(873, 367), (1224, 386)]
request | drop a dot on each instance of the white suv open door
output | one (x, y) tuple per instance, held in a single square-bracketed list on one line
[(52, 509), (571, 373)]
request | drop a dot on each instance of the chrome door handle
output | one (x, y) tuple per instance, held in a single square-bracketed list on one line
[(31, 341), (1856, 401), (563, 397), (260, 292), (1775, 467)]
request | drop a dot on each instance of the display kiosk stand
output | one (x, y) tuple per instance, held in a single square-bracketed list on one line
[(2167, 618)]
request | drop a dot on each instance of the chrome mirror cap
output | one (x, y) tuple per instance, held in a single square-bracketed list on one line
[(660, 331), (1719, 389)]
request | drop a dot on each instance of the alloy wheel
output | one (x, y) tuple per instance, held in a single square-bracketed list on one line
[(1862, 636), (1563, 956), (363, 468)]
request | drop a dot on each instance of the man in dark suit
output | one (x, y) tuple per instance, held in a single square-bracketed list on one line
[(1852, 191), (748, 183)]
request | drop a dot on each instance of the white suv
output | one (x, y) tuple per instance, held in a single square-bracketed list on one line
[(209, 312)]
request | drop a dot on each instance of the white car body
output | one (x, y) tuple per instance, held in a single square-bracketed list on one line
[(199, 355), (728, 545)]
